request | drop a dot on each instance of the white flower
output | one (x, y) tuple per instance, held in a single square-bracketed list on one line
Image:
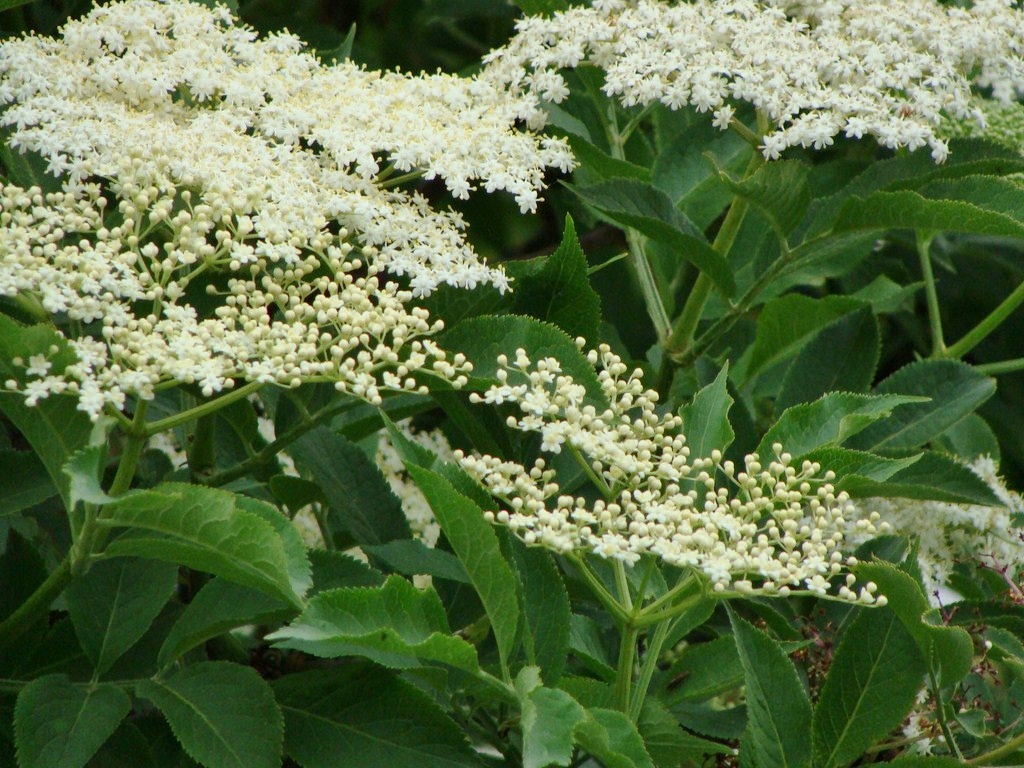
[(205, 167), (952, 533), (763, 529), (892, 69)]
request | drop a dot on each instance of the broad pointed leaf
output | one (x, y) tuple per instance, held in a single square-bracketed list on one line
[(204, 529), (114, 603), (219, 607), (366, 717), (396, 625), (778, 735), (476, 546), (830, 421), (58, 724), (871, 685), (647, 209), (953, 389), (224, 715), (706, 418)]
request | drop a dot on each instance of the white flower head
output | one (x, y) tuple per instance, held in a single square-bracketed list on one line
[(230, 210), (768, 527), (892, 69)]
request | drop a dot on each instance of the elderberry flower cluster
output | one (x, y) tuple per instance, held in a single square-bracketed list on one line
[(230, 204), (417, 509), (882, 68), (767, 527), (949, 534)]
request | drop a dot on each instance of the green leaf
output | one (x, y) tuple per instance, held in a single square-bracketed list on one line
[(83, 470), (920, 761), (829, 421), (645, 208), (932, 476), (360, 500), (558, 291), (688, 167), (300, 574), (611, 737), (779, 736), (786, 323), (224, 715), (22, 571), (411, 557), (667, 743), (58, 724), (115, 602), (586, 645), (887, 296), (476, 545), (968, 439), (988, 192), (953, 389), (25, 169), (24, 482), (333, 569), (708, 669), (396, 625), (483, 339), (841, 357), (911, 210), (366, 717), (219, 607), (871, 686), (706, 418), (548, 720), (552, 721), (54, 426), (546, 608), (602, 164), (858, 466), (779, 190), (947, 650), (204, 529)]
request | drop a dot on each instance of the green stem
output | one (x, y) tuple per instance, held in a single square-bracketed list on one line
[(924, 242), (88, 538), (685, 327), (941, 717), (1003, 366), (622, 585), (650, 664), (1004, 750), (982, 330), (624, 670), (598, 589), (38, 603), (210, 406), (273, 448), (588, 470), (634, 240), (33, 609)]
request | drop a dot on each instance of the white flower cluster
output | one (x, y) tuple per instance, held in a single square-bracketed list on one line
[(225, 215), (959, 533), (414, 504), (205, 319), (884, 68), (764, 528)]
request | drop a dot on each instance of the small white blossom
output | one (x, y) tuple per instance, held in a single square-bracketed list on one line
[(892, 69), (765, 528), (225, 215), (956, 533)]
